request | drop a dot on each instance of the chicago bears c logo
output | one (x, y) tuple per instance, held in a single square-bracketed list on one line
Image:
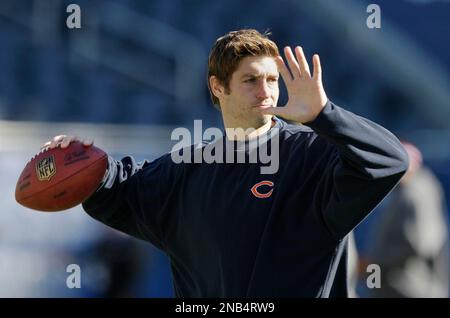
[(260, 195)]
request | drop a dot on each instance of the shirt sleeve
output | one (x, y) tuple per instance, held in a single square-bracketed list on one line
[(364, 163), (134, 197)]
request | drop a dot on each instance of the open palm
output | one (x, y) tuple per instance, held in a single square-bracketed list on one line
[(306, 94)]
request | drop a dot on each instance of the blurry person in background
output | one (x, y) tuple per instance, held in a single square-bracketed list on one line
[(119, 256), (352, 266), (410, 242)]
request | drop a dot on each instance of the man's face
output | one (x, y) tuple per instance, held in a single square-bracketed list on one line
[(254, 85)]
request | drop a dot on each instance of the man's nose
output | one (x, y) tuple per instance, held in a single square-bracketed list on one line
[(263, 89)]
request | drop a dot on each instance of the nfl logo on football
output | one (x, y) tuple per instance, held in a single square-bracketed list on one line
[(46, 168)]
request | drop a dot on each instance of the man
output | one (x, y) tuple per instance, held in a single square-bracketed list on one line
[(230, 231), (410, 239)]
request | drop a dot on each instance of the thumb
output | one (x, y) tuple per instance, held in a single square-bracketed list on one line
[(277, 111)]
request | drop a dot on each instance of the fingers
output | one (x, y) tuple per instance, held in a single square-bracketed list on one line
[(64, 141), (317, 68), (298, 65), (88, 142), (304, 67), (282, 68), (293, 65), (46, 145), (54, 142), (277, 111)]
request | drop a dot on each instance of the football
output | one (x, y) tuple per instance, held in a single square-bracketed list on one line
[(58, 179)]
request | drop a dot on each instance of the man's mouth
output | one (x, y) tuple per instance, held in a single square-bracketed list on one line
[(263, 106)]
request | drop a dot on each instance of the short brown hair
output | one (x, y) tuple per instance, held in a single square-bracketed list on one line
[(230, 49)]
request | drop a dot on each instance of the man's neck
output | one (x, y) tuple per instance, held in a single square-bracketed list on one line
[(239, 133)]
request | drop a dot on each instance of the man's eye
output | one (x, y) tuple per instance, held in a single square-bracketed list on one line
[(273, 79), (250, 80)]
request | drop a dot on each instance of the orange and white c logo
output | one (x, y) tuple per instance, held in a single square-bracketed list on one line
[(257, 194)]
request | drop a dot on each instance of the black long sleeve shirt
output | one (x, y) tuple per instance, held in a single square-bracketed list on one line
[(230, 231)]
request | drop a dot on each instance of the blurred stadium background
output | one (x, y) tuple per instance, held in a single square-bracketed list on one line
[(137, 69)]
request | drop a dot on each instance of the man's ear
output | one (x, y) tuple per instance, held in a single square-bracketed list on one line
[(216, 86)]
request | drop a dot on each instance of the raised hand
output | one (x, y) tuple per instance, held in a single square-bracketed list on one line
[(307, 97)]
